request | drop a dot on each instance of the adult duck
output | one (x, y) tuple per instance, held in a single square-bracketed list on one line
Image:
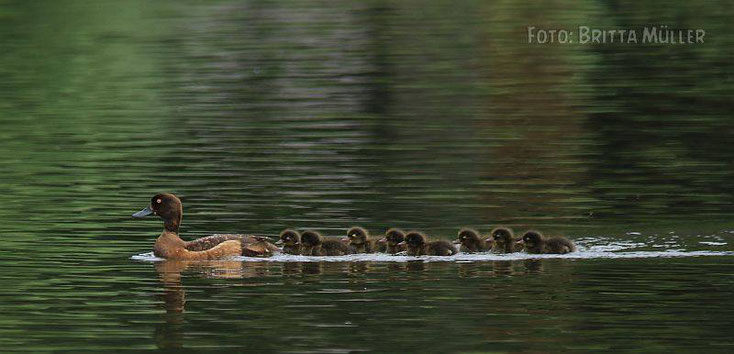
[(170, 246)]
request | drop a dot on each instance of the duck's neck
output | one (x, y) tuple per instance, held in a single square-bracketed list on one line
[(171, 224)]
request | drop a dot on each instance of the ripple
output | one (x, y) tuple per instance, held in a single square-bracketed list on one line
[(594, 253)]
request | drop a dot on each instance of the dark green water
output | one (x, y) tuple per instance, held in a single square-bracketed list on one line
[(263, 115)]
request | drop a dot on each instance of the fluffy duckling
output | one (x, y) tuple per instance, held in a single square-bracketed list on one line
[(503, 240), (392, 241), (359, 241), (170, 246), (291, 241), (534, 242), (315, 245), (418, 245), (471, 242)]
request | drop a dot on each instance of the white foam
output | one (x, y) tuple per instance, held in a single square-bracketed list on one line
[(594, 252), (711, 243)]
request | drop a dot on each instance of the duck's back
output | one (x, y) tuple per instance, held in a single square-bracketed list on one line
[(441, 248), (334, 248), (559, 245), (252, 246)]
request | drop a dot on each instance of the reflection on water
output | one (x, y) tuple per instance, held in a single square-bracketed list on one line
[(264, 115), (533, 304)]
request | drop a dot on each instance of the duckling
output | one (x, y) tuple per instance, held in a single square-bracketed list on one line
[(534, 242), (291, 241), (418, 245), (471, 242), (392, 241), (315, 245), (170, 246), (359, 241), (503, 240)]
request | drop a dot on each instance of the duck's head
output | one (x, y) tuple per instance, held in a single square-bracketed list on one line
[(501, 235), (531, 239), (289, 238), (467, 237), (168, 207), (393, 237), (310, 238), (415, 239), (357, 235)]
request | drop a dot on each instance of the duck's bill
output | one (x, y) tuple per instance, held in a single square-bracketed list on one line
[(456, 242), (520, 242), (143, 213), (279, 242), (402, 243), (382, 240)]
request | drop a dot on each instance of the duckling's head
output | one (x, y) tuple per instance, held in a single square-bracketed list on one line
[(415, 239), (357, 235), (393, 237), (310, 238), (501, 235), (168, 207), (468, 237), (531, 239), (289, 238)]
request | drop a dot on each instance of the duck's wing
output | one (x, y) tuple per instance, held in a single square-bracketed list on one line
[(205, 243)]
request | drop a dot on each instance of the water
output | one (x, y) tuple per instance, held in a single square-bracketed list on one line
[(264, 115)]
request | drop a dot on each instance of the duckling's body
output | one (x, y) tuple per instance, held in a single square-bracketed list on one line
[(170, 246), (315, 245), (471, 242), (503, 240), (392, 241), (417, 245), (534, 242), (360, 241), (291, 241)]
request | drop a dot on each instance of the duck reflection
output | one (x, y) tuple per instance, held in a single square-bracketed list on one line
[(170, 332)]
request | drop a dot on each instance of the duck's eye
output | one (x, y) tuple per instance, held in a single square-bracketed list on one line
[(158, 201)]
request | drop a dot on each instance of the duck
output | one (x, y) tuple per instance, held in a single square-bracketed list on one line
[(534, 242), (169, 244), (503, 240), (291, 241), (359, 241), (417, 245), (471, 242), (315, 245), (392, 241)]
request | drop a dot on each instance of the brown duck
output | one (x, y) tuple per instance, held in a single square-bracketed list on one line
[(471, 242), (170, 246), (291, 241), (417, 245), (392, 241), (534, 242), (503, 240), (315, 245), (359, 241)]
